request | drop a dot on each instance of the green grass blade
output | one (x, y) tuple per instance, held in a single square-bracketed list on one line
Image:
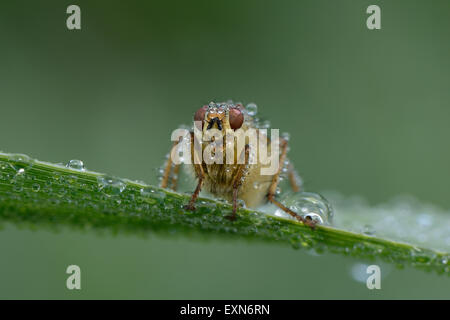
[(40, 194)]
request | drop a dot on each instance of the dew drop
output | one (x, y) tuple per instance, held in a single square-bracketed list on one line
[(36, 187), (368, 230), (286, 136), (309, 205), (265, 124), (76, 165), (20, 161), (3, 165), (314, 217), (252, 109), (61, 192), (111, 186)]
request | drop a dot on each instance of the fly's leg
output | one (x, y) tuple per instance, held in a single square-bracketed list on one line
[(174, 181), (237, 182), (273, 188), (200, 175)]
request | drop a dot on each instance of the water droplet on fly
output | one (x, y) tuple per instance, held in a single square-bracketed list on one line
[(212, 104), (76, 165), (252, 109), (265, 124), (285, 136)]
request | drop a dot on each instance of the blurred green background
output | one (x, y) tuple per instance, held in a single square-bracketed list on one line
[(368, 113)]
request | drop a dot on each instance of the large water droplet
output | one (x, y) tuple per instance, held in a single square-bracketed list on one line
[(76, 165), (317, 218), (309, 205)]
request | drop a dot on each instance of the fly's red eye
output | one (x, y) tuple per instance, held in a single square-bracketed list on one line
[(236, 118), (200, 114)]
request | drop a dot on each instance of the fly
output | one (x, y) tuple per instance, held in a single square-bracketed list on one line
[(233, 180)]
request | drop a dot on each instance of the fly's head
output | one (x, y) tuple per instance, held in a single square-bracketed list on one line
[(219, 116)]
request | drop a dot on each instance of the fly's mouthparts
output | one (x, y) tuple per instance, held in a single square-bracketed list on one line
[(215, 120)]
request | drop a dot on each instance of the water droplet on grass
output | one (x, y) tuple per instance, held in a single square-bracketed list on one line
[(111, 186), (20, 161), (308, 205), (314, 217), (76, 165), (368, 230), (3, 165)]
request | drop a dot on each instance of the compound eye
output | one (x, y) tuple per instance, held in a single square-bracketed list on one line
[(236, 118), (200, 114)]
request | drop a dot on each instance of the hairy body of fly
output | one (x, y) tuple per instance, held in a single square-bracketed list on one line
[(220, 178), (240, 179)]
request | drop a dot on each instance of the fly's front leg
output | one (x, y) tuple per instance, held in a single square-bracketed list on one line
[(200, 175), (175, 173), (237, 182), (273, 188)]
